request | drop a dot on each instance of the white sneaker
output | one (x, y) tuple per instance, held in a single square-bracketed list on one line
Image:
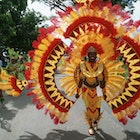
[(91, 131), (95, 128)]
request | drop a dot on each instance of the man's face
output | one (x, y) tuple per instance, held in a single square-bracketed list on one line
[(92, 56)]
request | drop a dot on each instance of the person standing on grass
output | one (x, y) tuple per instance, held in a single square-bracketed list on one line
[(1, 95)]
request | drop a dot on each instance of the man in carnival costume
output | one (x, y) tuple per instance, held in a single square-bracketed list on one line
[(101, 32), (91, 75)]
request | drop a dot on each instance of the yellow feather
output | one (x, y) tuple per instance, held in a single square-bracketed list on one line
[(5, 86), (69, 87), (73, 91), (12, 92)]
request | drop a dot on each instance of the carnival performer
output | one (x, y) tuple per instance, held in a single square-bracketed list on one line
[(16, 66), (13, 65), (99, 33), (91, 75), (12, 76), (1, 95), (2, 100)]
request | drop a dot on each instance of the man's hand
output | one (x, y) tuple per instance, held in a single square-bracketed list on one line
[(77, 96)]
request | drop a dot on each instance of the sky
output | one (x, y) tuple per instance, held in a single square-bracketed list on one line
[(42, 8), (136, 14)]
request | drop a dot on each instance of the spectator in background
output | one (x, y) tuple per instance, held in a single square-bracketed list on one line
[(1, 95)]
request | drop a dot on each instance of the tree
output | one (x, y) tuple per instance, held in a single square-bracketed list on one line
[(56, 4), (61, 4), (125, 3), (18, 25)]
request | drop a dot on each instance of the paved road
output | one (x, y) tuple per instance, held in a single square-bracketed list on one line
[(22, 121)]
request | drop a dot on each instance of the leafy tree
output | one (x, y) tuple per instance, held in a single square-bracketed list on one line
[(18, 25), (61, 4), (125, 3)]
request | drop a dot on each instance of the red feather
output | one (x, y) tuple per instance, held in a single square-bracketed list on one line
[(56, 120), (31, 53), (133, 44), (52, 115), (39, 105), (55, 21), (30, 93), (124, 121), (86, 19), (35, 44), (133, 115), (137, 23), (48, 30), (13, 84), (96, 46), (27, 74), (46, 111)]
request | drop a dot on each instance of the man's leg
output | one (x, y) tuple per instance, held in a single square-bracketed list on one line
[(2, 100)]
